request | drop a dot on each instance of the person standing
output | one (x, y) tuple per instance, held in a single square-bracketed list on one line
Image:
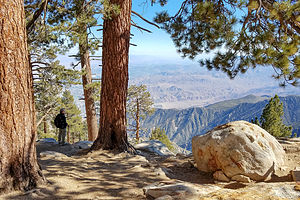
[(61, 123)]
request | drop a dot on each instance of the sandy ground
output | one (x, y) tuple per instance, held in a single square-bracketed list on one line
[(109, 175)]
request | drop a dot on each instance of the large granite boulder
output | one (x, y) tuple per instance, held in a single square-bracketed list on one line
[(238, 148)]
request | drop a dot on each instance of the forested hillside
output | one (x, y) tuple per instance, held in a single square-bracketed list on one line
[(182, 125)]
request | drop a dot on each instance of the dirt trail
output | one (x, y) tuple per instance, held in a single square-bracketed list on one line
[(108, 175)]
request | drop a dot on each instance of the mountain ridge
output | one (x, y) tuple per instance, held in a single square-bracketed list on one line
[(182, 124)]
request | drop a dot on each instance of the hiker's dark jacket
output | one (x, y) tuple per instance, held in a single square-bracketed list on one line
[(60, 121)]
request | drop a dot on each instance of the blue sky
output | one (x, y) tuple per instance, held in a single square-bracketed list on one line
[(153, 47), (158, 43), (157, 48)]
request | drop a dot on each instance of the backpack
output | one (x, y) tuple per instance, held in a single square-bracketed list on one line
[(56, 121)]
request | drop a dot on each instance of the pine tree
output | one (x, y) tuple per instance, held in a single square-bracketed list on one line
[(139, 105), (84, 12), (160, 134), (74, 120), (116, 37), (19, 169), (255, 121), (241, 34), (271, 119), (45, 44), (114, 82)]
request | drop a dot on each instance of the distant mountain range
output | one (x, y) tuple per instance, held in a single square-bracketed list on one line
[(182, 125), (183, 86), (186, 97)]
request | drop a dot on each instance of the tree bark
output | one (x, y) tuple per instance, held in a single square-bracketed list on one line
[(18, 164), (88, 91), (116, 36), (73, 137), (45, 126), (68, 134), (137, 120)]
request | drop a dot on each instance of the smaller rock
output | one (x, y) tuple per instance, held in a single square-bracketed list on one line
[(178, 190), (137, 159), (161, 172), (47, 140), (83, 144), (166, 197), (170, 190), (220, 176), (297, 186), (154, 146), (52, 154), (241, 178), (137, 169), (296, 174), (147, 165), (188, 164)]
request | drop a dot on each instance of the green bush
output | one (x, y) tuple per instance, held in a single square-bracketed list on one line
[(160, 134)]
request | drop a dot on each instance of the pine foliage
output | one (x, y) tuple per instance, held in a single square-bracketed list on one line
[(241, 35), (160, 134), (74, 120), (271, 119), (255, 121), (139, 105), (44, 44)]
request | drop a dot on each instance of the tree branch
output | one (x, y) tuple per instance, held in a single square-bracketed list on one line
[(38, 62), (45, 115), (141, 28), (153, 24), (36, 15)]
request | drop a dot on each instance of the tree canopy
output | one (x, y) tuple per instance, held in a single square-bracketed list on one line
[(241, 34)]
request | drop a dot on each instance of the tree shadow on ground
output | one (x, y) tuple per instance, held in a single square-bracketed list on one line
[(99, 175), (112, 175)]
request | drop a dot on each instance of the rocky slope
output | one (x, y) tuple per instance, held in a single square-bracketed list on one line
[(182, 125)]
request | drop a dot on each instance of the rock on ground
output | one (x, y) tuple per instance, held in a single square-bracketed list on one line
[(83, 144), (183, 190), (238, 148), (52, 154), (178, 190), (47, 140), (296, 174), (154, 146), (220, 176), (50, 144)]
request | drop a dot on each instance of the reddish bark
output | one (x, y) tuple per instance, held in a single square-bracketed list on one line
[(116, 36), (137, 120), (18, 165), (88, 91)]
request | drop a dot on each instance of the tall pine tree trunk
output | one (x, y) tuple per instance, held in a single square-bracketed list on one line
[(116, 36), (45, 126), (68, 134), (18, 162), (137, 120), (88, 91)]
